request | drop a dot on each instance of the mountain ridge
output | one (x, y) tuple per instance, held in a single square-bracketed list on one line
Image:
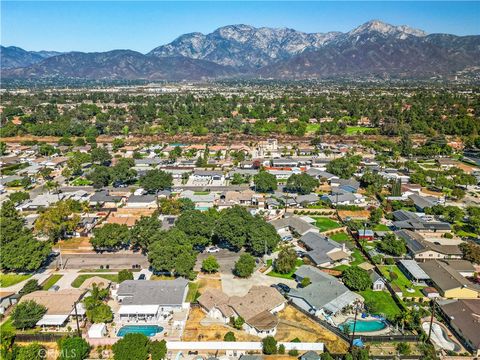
[(373, 48)]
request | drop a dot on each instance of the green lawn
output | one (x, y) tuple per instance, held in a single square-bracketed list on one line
[(81, 182), (402, 282), (7, 280), (324, 223), (201, 193), (341, 237), (381, 227), (81, 278), (357, 260), (193, 293), (52, 280), (356, 129), (273, 273), (380, 303)]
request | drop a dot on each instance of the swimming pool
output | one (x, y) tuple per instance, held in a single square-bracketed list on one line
[(364, 325), (148, 330)]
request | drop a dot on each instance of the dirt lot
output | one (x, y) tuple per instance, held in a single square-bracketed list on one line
[(293, 324), (195, 331)]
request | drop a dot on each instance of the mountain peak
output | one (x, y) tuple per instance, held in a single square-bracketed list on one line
[(384, 28)]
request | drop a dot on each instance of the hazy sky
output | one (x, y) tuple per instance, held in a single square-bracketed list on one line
[(141, 26)]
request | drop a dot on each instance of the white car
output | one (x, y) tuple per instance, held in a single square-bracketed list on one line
[(212, 249)]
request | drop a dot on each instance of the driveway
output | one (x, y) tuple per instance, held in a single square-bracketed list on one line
[(226, 259), (40, 277), (234, 286)]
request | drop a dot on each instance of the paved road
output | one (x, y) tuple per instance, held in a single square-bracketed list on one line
[(94, 261)]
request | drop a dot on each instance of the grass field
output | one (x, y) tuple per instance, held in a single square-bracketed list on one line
[(81, 278), (273, 273), (356, 129), (324, 223), (341, 237), (7, 280), (52, 280), (380, 303), (402, 282), (381, 227), (7, 326)]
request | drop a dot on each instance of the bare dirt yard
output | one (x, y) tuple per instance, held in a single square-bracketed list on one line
[(200, 329), (293, 324)]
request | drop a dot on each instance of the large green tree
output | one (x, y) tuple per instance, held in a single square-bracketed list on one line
[(73, 348), (286, 260), (131, 347), (245, 266), (27, 313), (110, 237), (144, 230), (265, 182), (301, 184), (261, 236), (356, 278)]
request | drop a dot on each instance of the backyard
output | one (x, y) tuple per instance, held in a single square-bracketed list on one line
[(357, 129), (401, 281), (7, 280), (380, 303), (324, 223), (358, 258)]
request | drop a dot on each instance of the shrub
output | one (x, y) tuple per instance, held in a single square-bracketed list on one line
[(229, 336), (269, 345)]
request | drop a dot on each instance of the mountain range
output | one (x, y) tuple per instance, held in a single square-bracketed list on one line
[(372, 49)]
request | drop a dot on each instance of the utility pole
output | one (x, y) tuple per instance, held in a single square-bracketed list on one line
[(60, 257), (354, 327), (431, 319), (76, 318)]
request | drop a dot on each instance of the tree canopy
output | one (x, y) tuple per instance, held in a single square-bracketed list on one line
[(356, 278)]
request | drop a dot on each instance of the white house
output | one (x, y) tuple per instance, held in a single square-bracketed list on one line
[(150, 301)]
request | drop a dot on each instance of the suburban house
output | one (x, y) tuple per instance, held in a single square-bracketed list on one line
[(449, 282), (464, 318), (423, 202), (258, 308), (320, 174), (323, 251), (207, 176), (407, 220), (105, 200), (343, 197), (366, 234), (421, 249), (151, 301), (464, 267), (325, 296), (413, 272), (290, 226), (60, 306), (142, 201), (378, 283), (7, 299), (348, 185), (201, 201)]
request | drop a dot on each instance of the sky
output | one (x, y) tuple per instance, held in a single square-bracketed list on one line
[(143, 25)]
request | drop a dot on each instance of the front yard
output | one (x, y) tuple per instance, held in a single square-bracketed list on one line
[(52, 280), (7, 280), (273, 273), (81, 278)]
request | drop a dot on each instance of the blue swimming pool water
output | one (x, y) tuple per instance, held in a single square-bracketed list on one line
[(148, 330), (364, 325)]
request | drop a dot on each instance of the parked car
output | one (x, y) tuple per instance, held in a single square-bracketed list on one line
[(142, 277), (212, 249), (284, 287)]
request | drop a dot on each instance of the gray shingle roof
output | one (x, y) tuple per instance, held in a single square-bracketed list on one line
[(150, 292)]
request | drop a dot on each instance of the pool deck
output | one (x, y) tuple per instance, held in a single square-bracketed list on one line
[(451, 337)]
